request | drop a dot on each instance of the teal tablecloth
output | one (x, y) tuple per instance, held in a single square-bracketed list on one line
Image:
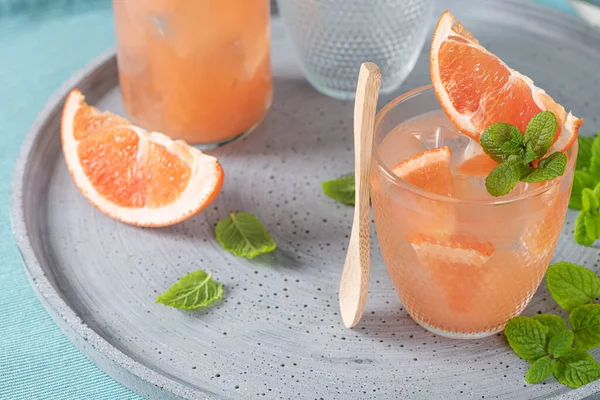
[(42, 42)]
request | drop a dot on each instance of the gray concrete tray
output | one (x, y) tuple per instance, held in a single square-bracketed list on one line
[(277, 333)]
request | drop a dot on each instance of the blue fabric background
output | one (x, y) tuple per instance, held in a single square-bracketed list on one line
[(41, 43)]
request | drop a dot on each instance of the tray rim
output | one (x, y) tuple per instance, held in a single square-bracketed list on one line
[(71, 325), (122, 368)]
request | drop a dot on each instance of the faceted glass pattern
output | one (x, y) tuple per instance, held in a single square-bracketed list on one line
[(333, 38)]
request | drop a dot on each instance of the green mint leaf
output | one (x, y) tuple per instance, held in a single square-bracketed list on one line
[(592, 225), (195, 290), (342, 189), (540, 132), (516, 136), (527, 337), (243, 235), (581, 180), (561, 343), (580, 232), (503, 178), (514, 158), (556, 161), (529, 153), (572, 285), (554, 323), (585, 322), (584, 154), (549, 168), (512, 148), (589, 201), (540, 370), (493, 139), (576, 368), (594, 169), (597, 190)]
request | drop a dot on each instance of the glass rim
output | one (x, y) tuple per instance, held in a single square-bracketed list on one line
[(397, 181)]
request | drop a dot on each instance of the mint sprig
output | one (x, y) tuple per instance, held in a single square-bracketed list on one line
[(545, 340), (516, 153)]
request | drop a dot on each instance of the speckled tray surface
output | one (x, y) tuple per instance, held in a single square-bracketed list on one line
[(277, 333)]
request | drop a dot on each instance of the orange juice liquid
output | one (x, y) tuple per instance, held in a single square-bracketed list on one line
[(197, 70), (463, 266)]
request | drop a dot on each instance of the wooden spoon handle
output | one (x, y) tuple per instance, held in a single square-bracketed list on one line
[(365, 109), (355, 277)]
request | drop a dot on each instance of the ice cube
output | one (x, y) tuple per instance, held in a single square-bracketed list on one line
[(437, 137), (398, 146), (470, 187)]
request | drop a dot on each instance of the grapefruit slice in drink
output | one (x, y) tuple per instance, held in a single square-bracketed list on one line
[(454, 262), (477, 89), (137, 177), (428, 170)]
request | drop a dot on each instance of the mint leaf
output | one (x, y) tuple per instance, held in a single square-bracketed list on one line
[(580, 232), (503, 178), (597, 190), (576, 368), (549, 168), (554, 323), (529, 153), (494, 138), (512, 148), (585, 321), (584, 154), (556, 161), (342, 189), (592, 225), (594, 169), (195, 290), (572, 285), (540, 132), (589, 201), (561, 343), (243, 235), (581, 180), (527, 337), (540, 370)]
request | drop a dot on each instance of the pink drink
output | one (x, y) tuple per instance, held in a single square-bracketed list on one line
[(462, 265)]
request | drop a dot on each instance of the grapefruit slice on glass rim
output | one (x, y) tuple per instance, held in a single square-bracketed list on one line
[(477, 89), (137, 177)]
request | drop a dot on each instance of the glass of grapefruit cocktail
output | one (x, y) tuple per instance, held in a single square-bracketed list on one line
[(463, 261), (197, 70)]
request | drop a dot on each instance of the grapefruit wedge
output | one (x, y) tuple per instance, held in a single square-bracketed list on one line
[(134, 176), (429, 170), (477, 89), (455, 263)]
